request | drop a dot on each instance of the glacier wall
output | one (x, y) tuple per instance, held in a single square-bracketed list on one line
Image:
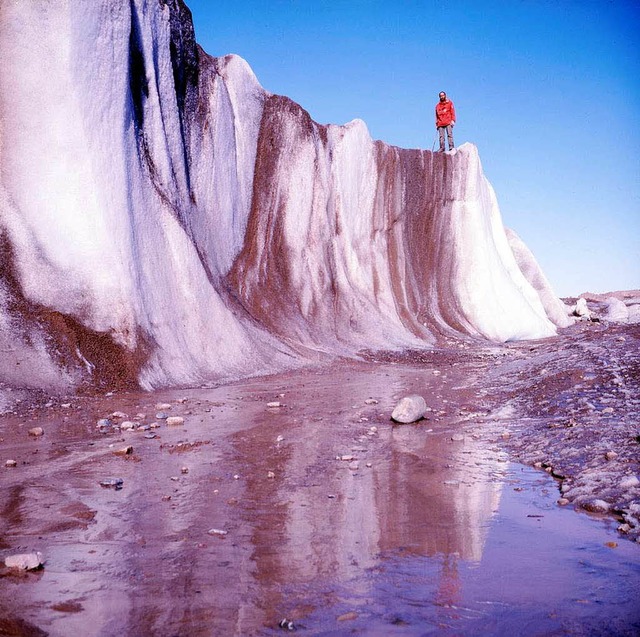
[(164, 220)]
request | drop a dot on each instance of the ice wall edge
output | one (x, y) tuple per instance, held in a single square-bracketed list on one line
[(166, 221)]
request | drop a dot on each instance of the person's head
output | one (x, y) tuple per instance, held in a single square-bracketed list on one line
[(443, 96)]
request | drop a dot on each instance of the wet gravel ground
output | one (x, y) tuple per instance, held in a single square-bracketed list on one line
[(289, 495)]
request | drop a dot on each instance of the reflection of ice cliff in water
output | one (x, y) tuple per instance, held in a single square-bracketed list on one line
[(163, 219)]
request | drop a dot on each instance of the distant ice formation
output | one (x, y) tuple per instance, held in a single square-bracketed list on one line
[(164, 220)]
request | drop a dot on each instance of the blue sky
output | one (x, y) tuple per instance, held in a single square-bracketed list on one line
[(549, 91)]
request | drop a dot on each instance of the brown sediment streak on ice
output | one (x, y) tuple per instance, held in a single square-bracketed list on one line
[(91, 358)]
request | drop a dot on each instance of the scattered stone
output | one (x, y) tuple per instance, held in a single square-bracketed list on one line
[(348, 617), (457, 437), (611, 455), (25, 561), (274, 404), (279, 438), (127, 425), (65, 405), (11, 463), (163, 406), (112, 483), (369, 465), (287, 624), (409, 409), (36, 432), (596, 506), (354, 466), (104, 422), (346, 458), (162, 415), (563, 502), (371, 401), (125, 451), (607, 410), (218, 532), (184, 470), (166, 498), (175, 421), (271, 475), (150, 436), (119, 414), (611, 545)]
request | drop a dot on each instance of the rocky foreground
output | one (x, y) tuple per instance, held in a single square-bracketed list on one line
[(116, 493)]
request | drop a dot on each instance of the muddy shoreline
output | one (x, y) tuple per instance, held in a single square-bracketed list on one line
[(272, 485)]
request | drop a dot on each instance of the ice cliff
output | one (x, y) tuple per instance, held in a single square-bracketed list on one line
[(164, 220)]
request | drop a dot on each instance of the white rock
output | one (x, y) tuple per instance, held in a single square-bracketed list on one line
[(24, 561), (274, 404), (163, 406), (175, 421), (128, 425), (36, 432), (11, 463), (220, 532), (409, 409)]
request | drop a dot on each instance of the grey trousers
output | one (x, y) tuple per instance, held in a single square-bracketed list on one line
[(449, 130)]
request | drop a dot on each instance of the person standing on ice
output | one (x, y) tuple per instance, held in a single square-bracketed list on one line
[(445, 120)]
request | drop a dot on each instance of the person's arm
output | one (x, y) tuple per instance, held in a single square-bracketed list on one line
[(453, 114)]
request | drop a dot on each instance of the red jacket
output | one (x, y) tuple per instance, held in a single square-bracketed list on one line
[(445, 113)]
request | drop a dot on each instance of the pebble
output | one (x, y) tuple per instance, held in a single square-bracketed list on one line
[(184, 470), (161, 415), (371, 401), (104, 422), (112, 483), (354, 466), (271, 474), (607, 410), (175, 421), (150, 436), (275, 403), (348, 617), (119, 414), (25, 561), (457, 437), (11, 463), (36, 432), (219, 532), (127, 425), (563, 502), (163, 406), (611, 455), (125, 451), (279, 438), (346, 458)]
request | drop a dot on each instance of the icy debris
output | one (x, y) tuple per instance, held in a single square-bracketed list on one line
[(629, 482), (581, 309)]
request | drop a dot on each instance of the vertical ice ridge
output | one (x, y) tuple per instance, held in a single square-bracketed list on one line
[(160, 199)]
